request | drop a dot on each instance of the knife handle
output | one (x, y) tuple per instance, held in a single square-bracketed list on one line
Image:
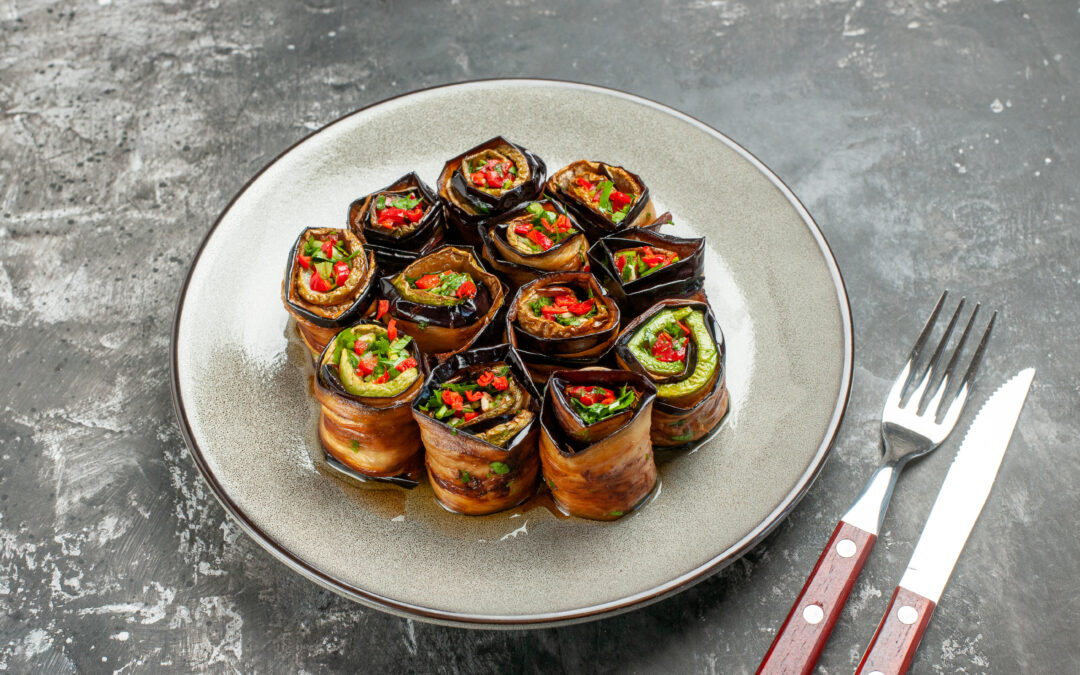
[(812, 617), (898, 635)]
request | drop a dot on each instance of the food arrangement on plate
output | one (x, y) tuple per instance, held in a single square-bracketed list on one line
[(509, 333)]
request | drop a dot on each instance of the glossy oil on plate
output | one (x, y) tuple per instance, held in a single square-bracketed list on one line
[(243, 392)]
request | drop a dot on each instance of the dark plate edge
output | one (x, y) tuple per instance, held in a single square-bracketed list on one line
[(717, 563)]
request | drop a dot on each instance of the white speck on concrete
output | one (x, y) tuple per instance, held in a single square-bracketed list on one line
[(122, 636), (996, 106)]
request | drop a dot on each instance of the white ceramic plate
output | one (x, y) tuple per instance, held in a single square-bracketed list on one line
[(242, 380)]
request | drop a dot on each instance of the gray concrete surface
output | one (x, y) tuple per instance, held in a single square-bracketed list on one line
[(935, 142)]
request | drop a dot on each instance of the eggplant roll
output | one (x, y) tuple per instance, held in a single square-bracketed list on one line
[(329, 283), (532, 239), (366, 381), (561, 320), (400, 222), (477, 414), (639, 267), (595, 447), (604, 198), (678, 345), (444, 300), (486, 181)]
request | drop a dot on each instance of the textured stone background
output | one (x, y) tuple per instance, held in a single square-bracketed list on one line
[(936, 142)]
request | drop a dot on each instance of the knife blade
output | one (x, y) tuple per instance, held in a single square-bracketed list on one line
[(958, 505)]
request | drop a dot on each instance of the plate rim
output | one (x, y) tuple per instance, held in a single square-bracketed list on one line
[(549, 619)]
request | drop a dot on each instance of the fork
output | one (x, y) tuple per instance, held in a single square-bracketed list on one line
[(910, 428)]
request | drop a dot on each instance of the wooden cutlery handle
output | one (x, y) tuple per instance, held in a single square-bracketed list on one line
[(898, 635), (812, 617)]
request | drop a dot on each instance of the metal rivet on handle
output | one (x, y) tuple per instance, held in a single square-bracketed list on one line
[(845, 548), (813, 614), (907, 614)]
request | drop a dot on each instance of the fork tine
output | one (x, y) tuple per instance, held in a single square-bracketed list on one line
[(969, 376), (951, 368), (916, 350), (919, 396), (957, 405)]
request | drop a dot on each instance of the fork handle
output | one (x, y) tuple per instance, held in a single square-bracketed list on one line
[(812, 617)]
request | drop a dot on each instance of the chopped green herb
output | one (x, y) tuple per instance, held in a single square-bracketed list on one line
[(499, 468), (606, 189), (615, 513), (464, 476), (683, 437), (590, 414), (355, 445), (380, 203)]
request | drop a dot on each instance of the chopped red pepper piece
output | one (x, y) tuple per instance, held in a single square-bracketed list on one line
[(318, 284), (391, 330), (580, 308), (522, 228), (584, 183), (304, 260), (653, 260), (428, 281), (406, 364), (619, 199), (385, 377), (620, 262), (683, 327), (328, 247), (485, 379), (540, 239), (551, 310), (470, 415), (360, 346), (586, 268), (452, 399), (562, 223), (474, 396), (478, 179), (500, 383), (494, 179), (466, 290), (414, 214), (384, 307), (664, 349), (564, 300), (341, 272), (367, 364)]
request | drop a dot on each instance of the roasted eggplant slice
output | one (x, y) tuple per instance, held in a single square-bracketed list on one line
[(639, 267), (444, 300), (366, 381), (594, 444), (329, 283), (603, 198), (678, 345), (486, 181), (561, 320), (478, 418), (400, 222), (531, 239)]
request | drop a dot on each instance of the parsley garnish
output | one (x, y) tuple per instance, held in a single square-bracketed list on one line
[(590, 414)]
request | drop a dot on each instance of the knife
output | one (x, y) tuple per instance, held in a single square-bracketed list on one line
[(957, 507)]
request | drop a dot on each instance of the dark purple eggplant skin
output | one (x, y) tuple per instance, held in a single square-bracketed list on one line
[(349, 316), (394, 253), (609, 379), (497, 353), (622, 349), (454, 316), (461, 223), (682, 279)]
